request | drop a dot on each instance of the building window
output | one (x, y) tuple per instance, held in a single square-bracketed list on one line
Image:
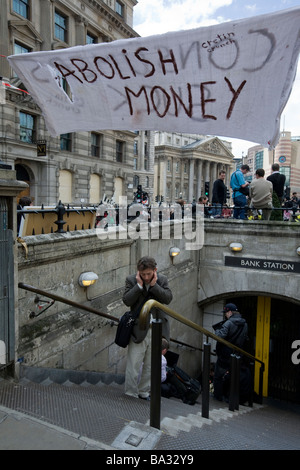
[(95, 144), (259, 160), (168, 165), (120, 8), (119, 151), (135, 163), (146, 163), (20, 49), (135, 147), (21, 7), (90, 39), (60, 27), (136, 181), (27, 128), (286, 170), (66, 142)]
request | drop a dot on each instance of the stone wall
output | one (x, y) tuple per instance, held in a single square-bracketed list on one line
[(70, 338)]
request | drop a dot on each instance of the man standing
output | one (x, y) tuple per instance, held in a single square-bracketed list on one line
[(278, 181), (260, 192), (219, 194), (239, 185), (144, 285), (234, 330)]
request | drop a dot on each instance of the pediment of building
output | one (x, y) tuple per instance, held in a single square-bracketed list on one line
[(214, 146), (25, 28)]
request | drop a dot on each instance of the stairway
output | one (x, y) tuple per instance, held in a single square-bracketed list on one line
[(94, 405)]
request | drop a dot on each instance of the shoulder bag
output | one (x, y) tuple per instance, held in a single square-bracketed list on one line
[(125, 326), (244, 190)]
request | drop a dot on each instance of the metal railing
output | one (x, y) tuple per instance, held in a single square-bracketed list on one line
[(156, 353), (63, 211), (156, 363)]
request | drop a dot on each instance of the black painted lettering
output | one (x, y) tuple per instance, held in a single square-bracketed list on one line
[(272, 40), (137, 55), (137, 95), (203, 86), (118, 69), (188, 110), (129, 62), (66, 72), (84, 71), (235, 95), (171, 60), (110, 67), (168, 100), (195, 45)]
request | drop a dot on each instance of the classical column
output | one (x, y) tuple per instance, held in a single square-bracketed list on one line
[(4, 41), (46, 24), (207, 176), (141, 150), (163, 178), (191, 181), (199, 178), (80, 31)]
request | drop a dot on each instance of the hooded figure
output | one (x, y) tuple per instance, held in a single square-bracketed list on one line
[(234, 330)]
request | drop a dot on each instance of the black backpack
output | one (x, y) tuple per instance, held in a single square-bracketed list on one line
[(187, 388)]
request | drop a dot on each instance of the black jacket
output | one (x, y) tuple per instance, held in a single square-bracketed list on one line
[(278, 181), (235, 331), (134, 297), (219, 192)]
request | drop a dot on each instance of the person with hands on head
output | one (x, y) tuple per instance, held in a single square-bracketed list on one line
[(146, 284)]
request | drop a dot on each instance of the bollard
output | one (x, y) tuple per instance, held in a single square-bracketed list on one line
[(155, 398), (205, 380)]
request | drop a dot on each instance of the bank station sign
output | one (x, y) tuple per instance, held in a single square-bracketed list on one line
[(263, 264)]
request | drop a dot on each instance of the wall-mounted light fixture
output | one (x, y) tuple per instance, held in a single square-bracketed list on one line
[(87, 279), (298, 250), (174, 251), (236, 247)]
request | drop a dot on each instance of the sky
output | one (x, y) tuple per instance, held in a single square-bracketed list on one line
[(162, 16)]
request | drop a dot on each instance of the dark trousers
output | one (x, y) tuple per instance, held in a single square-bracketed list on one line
[(219, 378)]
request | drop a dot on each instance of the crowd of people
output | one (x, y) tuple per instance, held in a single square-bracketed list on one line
[(262, 198)]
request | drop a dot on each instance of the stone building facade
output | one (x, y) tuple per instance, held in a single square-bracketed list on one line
[(80, 167), (184, 163), (286, 154)]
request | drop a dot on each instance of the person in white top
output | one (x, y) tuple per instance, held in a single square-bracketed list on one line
[(260, 192)]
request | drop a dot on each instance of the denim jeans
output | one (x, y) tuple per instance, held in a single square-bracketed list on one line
[(216, 208), (239, 207)]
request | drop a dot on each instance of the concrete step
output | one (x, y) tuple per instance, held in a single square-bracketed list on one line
[(48, 376)]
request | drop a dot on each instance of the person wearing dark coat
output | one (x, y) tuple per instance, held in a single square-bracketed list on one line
[(234, 330), (144, 285), (278, 181), (219, 194)]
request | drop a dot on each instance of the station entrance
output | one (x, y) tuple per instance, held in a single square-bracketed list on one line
[(274, 325)]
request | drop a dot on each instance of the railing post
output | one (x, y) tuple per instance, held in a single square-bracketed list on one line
[(261, 381), (234, 383), (155, 399), (205, 380), (60, 208), (250, 401)]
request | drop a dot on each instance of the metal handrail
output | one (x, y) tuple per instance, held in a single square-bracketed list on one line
[(87, 308), (147, 307), (156, 350), (156, 361)]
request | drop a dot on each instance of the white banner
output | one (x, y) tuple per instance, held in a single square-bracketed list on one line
[(231, 79)]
